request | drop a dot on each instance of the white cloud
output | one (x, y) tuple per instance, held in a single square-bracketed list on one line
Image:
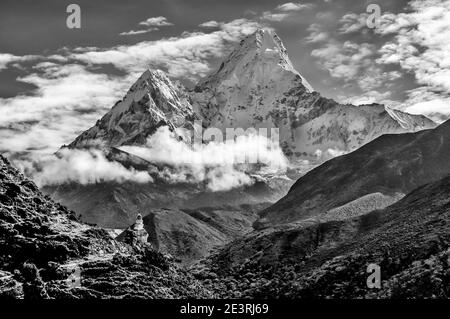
[(344, 60), (417, 42), (184, 56), (354, 63), (68, 100), (369, 97), (421, 46), (316, 34), (80, 166), (291, 6), (423, 101), (274, 17), (6, 58), (210, 24), (73, 93), (353, 22), (156, 22), (285, 11), (152, 24), (221, 165), (135, 32)]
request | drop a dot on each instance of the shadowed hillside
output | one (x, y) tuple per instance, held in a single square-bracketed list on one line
[(408, 240), (42, 243)]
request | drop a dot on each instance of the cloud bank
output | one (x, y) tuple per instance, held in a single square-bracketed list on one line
[(220, 165), (79, 166)]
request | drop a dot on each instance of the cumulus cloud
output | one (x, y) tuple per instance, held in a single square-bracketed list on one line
[(316, 34), (184, 56), (420, 46), (284, 11), (291, 6), (221, 165), (209, 24), (355, 63), (427, 27), (152, 24), (68, 100), (423, 101), (417, 42), (156, 22), (353, 22), (79, 166), (274, 16), (6, 58)]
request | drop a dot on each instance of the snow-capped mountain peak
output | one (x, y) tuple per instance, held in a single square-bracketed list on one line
[(152, 101), (257, 56), (257, 86)]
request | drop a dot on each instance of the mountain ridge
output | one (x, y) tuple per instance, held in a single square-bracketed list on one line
[(408, 240), (151, 102), (390, 164)]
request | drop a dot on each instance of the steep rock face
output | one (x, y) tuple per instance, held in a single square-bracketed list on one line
[(389, 165), (257, 87), (151, 102), (409, 241)]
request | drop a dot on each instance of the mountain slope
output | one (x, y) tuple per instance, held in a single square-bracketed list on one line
[(390, 164), (42, 243), (409, 240), (257, 87), (191, 234), (116, 205)]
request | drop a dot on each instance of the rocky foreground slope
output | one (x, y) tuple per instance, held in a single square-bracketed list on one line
[(46, 253), (409, 241)]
